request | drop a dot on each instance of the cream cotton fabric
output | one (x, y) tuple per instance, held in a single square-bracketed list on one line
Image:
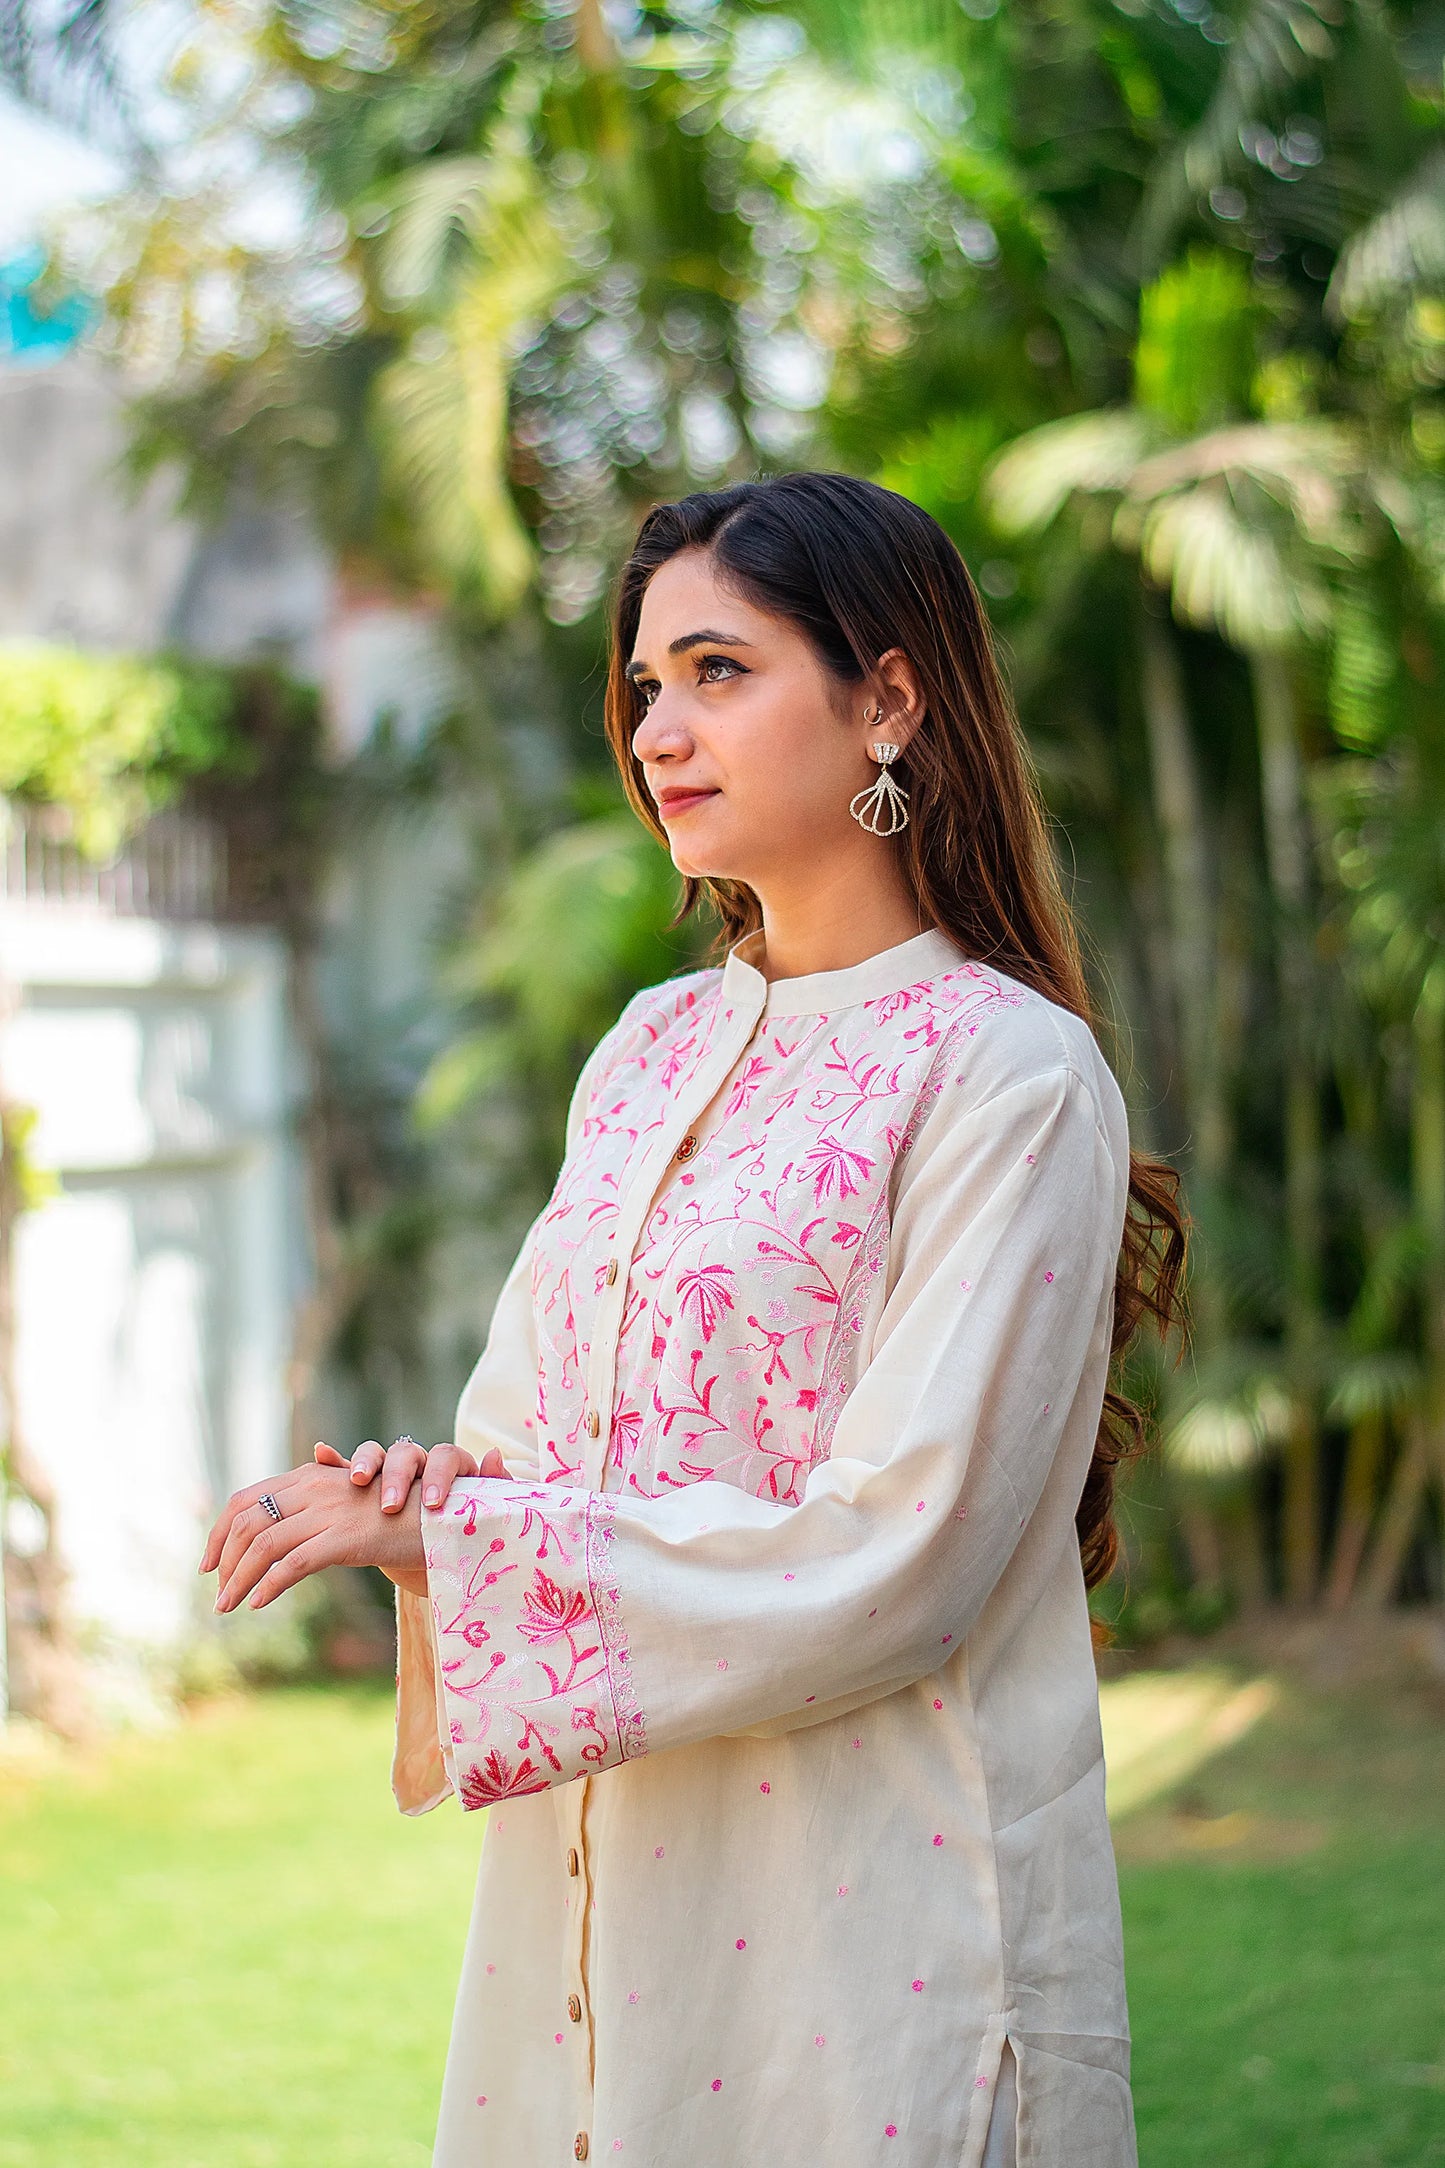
[(771, 1658)]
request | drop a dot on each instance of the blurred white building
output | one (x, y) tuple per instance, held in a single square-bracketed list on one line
[(156, 1292)]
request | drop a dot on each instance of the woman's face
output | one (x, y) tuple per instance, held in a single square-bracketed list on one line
[(751, 751)]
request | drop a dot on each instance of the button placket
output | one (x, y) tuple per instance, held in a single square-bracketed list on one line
[(577, 1886), (632, 1213)]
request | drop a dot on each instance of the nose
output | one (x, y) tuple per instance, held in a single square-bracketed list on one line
[(661, 733)]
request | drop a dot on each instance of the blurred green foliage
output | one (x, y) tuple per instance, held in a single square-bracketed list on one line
[(107, 737)]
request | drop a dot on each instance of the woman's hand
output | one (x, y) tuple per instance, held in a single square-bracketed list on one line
[(325, 1521), (401, 1464)]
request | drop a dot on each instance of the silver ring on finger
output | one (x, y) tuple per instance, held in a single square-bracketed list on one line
[(405, 1440), (271, 1506)]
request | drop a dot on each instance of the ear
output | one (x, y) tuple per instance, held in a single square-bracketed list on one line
[(893, 688)]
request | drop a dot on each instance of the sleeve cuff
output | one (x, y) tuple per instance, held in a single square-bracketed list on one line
[(532, 1670), (423, 1769)]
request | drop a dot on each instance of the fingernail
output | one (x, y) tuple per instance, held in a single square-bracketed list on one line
[(432, 1495), (390, 1497)]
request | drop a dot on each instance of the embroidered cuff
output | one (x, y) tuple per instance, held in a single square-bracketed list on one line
[(535, 1677)]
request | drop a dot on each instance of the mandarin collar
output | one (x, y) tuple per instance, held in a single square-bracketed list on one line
[(923, 956)]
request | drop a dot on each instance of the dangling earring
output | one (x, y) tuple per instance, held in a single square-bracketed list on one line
[(882, 808)]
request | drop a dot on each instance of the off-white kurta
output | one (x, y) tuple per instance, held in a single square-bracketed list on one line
[(772, 1659)]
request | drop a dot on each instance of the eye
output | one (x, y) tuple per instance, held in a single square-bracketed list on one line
[(709, 665), (646, 690)]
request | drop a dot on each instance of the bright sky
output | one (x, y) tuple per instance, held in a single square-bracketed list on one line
[(43, 170)]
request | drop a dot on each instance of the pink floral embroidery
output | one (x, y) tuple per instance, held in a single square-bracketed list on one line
[(534, 1650), (495, 1778), (745, 1302), (698, 1390)]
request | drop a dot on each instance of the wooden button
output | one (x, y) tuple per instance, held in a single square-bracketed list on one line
[(579, 2145), (687, 1147), (574, 2009), (572, 1861), (594, 1422), (611, 1270)]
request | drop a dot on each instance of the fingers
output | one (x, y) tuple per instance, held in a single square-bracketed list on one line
[(404, 1462), (493, 1464), (239, 1502), (367, 1462), (260, 1549), (444, 1463), (326, 1456), (312, 1556)]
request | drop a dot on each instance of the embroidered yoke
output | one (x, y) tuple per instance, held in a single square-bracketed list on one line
[(771, 1658)]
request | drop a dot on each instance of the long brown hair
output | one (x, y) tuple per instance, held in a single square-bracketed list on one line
[(859, 569)]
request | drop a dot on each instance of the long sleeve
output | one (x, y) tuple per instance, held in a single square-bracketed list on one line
[(497, 1408), (577, 1629)]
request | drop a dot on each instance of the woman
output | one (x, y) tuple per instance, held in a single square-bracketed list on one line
[(751, 1596)]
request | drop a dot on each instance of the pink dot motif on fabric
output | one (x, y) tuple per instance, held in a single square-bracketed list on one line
[(937, 1704), (790, 1577), (491, 1968), (1048, 1275), (765, 1786), (874, 1612), (857, 1742), (632, 1997), (938, 1840), (657, 1851), (819, 2041), (558, 2038), (920, 1505), (717, 2085), (890, 2130), (967, 1286), (481, 2100), (842, 1889), (810, 1697), (617, 2145), (722, 1663), (918, 1987), (1029, 1157), (946, 1639), (980, 2084), (742, 1942)]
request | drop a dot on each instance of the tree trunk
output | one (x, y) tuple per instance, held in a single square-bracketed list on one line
[(1398, 1521), (1363, 1462), (1179, 811), (1427, 1176), (1287, 852)]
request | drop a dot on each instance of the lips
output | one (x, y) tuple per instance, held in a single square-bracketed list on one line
[(679, 801)]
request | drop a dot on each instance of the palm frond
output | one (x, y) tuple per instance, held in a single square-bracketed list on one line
[(1029, 484), (1224, 573), (1402, 248)]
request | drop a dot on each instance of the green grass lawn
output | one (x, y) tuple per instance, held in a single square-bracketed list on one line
[(222, 1948)]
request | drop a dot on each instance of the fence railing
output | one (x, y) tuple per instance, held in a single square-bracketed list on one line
[(174, 867)]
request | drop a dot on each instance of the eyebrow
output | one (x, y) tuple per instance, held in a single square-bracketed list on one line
[(690, 639)]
